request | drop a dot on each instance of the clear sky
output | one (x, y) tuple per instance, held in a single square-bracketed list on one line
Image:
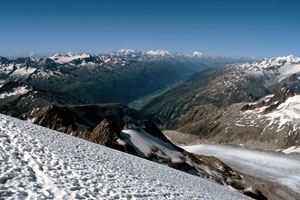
[(259, 28)]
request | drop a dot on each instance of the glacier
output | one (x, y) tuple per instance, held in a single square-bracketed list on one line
[(268, 165)]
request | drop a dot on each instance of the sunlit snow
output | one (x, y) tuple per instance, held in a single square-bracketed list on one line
[(39, 163), (275, 167), (62, 59), (289, 111), (16, 91)]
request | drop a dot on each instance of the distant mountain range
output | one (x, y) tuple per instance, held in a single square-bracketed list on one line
[(118, 77)]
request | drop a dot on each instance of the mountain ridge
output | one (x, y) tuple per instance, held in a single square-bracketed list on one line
[(215, 97)]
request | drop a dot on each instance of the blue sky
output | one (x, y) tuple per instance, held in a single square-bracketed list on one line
[(259, 28)]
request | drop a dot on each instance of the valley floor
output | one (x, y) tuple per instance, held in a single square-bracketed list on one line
[(270, 166), (39, 163)]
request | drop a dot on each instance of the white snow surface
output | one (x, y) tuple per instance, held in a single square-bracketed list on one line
[(158, 53), (39, 163), (126, 51), (289, 111), (197, 54), (62, 59), (292, 149), (144, 142), (16, 91), (271, 166)]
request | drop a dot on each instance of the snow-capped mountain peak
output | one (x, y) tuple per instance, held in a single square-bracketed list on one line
[(126, 51), (56, 55), (69, 57), (281, 67), (279, 61), (197, 54), (158, 52), (70, 54), (276, 62)]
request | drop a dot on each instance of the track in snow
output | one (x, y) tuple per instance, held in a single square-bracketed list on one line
[(271, 166), (38, 163)]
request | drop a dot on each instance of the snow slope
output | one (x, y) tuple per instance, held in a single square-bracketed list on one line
[(275, 167), (145, 143), (37, 163)]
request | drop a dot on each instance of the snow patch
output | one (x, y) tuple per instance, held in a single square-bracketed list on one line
[(62, 59), (195, 54), (158, 53), (292, 149), (289, 111), (146, 143), (126, 51), (16, 91)]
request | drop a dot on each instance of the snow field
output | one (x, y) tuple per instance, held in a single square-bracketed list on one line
[(39, 163)]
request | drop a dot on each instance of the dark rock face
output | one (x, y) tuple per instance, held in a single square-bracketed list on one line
[(108, 134), (104, 133), (60, 119), (256, 194), (118, 114)]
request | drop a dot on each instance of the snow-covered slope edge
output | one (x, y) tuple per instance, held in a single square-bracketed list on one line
[(38, 162)]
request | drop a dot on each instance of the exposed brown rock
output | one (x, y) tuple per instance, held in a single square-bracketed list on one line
[(104, 133), (108, 134), (60, 118)]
